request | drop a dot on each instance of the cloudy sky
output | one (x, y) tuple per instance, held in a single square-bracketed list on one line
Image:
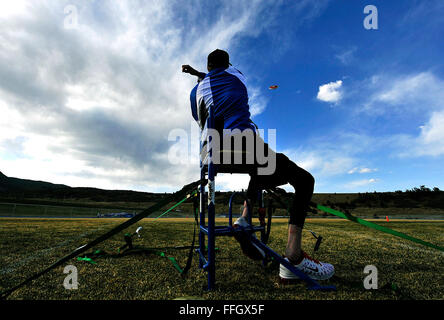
[(92, 93)]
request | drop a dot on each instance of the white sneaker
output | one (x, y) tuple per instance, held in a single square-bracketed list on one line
[(241, 221), (313, 268), (248, 248)]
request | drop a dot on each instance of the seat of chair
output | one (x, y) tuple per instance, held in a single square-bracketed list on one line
[(228, 168), (232, 168)]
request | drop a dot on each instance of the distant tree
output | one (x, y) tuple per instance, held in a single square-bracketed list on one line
[(435, 189)]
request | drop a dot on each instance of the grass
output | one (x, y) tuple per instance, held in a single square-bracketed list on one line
[(28, 245)]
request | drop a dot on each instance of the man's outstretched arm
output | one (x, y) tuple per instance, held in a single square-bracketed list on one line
[(188, 69)]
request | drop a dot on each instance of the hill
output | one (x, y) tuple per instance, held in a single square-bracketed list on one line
[(417, 200), (41, 192), (15, 185)]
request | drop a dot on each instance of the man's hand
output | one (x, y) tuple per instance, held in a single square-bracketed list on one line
[(188, 69)]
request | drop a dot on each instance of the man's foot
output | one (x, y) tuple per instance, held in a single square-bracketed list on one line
[(241, 221), (248, 248), (313, 268)]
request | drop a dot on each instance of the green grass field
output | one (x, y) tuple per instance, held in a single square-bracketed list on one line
[(29, 245)]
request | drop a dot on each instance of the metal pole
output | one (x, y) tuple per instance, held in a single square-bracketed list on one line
[(201, 213), (211, 205)]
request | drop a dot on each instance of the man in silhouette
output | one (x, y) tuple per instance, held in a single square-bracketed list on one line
[(224, 87)]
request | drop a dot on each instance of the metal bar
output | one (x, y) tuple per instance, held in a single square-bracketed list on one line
[(229, 231), (174, 197), (230, 209), (211, 204), (202, 257), (202, 218), (312, 284)]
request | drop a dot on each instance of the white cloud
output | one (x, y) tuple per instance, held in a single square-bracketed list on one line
[(331, 158), (346, 56), (352, 170), (361, 170), (93, 106), (409, 98), (415, 93), (322, 163), (257, 102), (330, 92), (429, 142), (360, 183), (12, 8), (432, 134), (408, 89)]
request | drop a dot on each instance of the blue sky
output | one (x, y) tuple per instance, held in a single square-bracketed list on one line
[(92, 103)]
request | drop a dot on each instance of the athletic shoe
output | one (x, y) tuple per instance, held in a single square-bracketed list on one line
[(241, 221), (313, 268), (248, 248)]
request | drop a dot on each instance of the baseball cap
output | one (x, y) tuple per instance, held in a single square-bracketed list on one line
[(219, 58)]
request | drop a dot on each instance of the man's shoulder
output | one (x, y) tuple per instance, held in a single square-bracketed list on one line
[(194, 90), (224, 76), (236, 73)]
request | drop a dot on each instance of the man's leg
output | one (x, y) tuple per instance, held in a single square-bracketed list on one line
[(294, 243), (303, 183)]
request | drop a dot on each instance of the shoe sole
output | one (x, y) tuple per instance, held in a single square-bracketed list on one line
[(289, 276)]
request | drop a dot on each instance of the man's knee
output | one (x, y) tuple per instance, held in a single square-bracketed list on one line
[(310, 179), (306, 182), (301, 176)]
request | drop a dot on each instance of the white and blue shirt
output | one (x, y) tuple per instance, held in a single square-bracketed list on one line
[(225, 88)]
